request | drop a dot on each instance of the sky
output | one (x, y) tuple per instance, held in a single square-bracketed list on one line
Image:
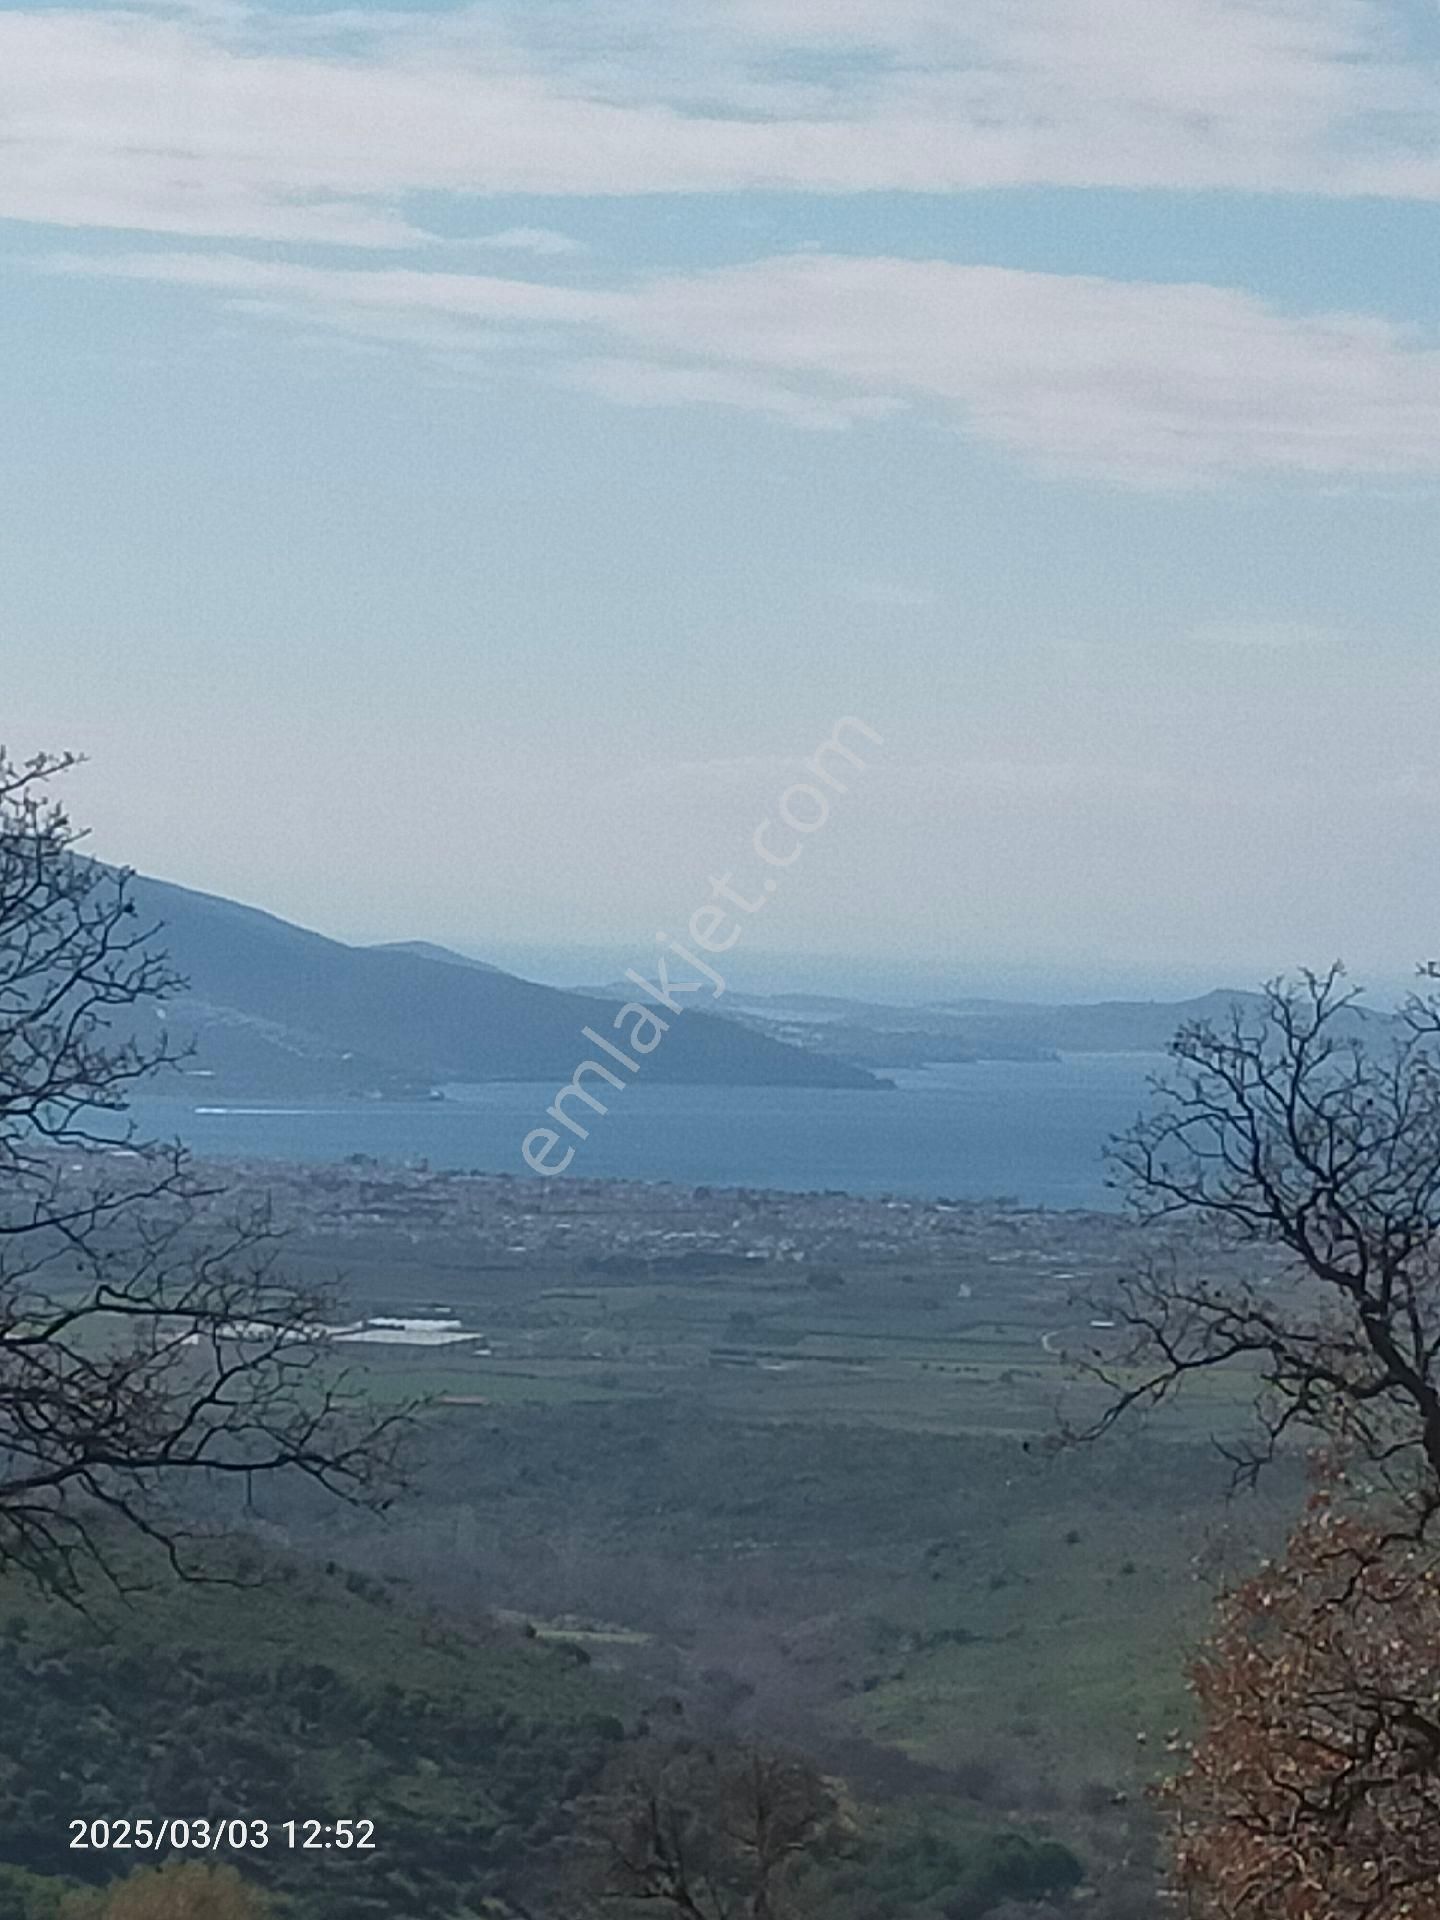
[(457, 464)]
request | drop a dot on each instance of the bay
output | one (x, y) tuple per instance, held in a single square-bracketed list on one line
[(1030, 1132)]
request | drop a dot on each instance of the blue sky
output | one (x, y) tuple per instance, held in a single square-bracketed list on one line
[(455, 464)]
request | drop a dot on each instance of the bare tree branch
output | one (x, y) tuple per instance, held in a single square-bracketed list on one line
[(141, 1349), (1301, 1147)]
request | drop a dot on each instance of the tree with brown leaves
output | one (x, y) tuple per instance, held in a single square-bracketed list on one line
[(1314, 1791), (179, 1890), (1301, 1139)]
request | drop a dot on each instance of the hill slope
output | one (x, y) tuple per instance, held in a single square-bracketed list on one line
[(304, 1694), (277, 1010)]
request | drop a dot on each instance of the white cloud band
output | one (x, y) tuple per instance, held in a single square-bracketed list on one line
[(246, 123), (1148, 385)]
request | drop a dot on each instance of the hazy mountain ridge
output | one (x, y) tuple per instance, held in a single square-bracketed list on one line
[(873, 1034), (276, 1010)]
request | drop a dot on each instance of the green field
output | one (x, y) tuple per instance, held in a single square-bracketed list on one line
[(816, 1505), (843, 1498)]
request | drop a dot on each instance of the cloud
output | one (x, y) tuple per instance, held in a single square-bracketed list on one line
[(645, 383), (543, 242), (240, 122), (1151, 385)]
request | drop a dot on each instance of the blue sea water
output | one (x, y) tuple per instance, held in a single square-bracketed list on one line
[(1033, 1132)]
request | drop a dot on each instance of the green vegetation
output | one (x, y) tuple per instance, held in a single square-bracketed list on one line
[(312, 1696), (827, 1515), (931, 1863), (960, 1597), (317, 1694)]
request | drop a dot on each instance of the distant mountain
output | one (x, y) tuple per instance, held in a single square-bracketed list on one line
[(871, 1034), (1107, 1026), (277, 1011)]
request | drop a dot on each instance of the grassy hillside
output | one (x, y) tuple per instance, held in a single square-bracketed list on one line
[(956, 1598), (311, 1696), (315, 1695)]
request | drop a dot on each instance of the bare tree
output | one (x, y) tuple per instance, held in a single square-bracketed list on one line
[(142, 1345), (1297, 1147), (1305, 1137), (714, 1834)]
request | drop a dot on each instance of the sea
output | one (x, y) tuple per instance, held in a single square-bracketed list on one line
[(1029, 1132)]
